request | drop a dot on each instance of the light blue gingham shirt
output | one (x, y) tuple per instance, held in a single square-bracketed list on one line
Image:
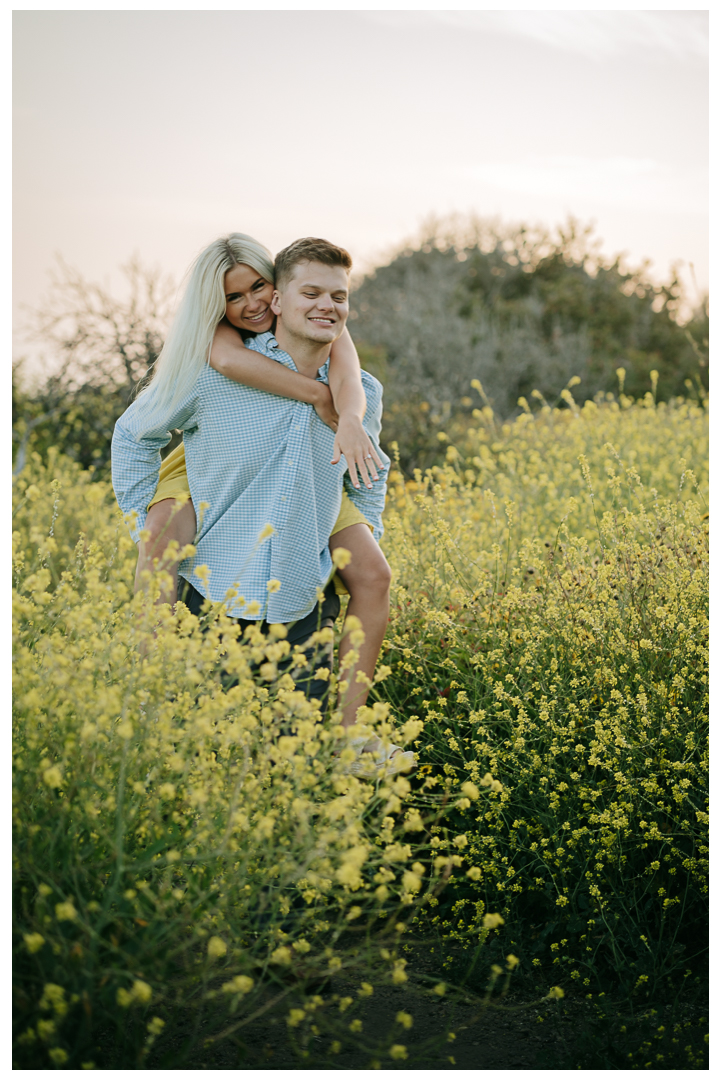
[(257, 459)]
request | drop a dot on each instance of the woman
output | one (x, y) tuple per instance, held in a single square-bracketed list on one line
[(241, 274)]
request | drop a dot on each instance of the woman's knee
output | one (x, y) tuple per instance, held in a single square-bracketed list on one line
[(373, 574), (381, 574)]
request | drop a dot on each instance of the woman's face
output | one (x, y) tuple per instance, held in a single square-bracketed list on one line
[(247, 299)]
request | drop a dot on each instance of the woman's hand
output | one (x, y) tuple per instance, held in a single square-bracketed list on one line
[(353, 441)]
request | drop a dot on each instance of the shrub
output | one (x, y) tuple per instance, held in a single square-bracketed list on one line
[(519, 310)]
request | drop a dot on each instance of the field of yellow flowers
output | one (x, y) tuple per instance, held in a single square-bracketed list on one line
[(550, 628), (185, 848)]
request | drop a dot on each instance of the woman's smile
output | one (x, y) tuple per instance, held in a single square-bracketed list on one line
[(257, 318)]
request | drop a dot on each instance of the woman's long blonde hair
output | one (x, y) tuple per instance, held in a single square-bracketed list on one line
[(187, 346)]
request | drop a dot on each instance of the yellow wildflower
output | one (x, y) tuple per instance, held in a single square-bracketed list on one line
[(281, 955), (341, 557), (491, 922), (216, 948), (33, 942), (241, 984), (53, 776)]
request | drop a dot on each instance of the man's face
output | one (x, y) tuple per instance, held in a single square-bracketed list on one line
[(314, 303)]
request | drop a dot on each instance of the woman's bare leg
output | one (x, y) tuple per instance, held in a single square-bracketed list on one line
[(367, 578), (167, 520)]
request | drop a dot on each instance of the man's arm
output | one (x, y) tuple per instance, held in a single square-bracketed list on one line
[(230, 357), (139, 436)]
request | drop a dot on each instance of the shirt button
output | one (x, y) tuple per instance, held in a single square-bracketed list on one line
[(282, 498)]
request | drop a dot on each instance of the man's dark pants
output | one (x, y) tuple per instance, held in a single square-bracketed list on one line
[(317, 656)]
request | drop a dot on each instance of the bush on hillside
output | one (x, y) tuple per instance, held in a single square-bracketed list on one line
[(519, 311)]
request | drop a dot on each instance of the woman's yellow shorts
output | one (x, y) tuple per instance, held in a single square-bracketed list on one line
[(173, 484)]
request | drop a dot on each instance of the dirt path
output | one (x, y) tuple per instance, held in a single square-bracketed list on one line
[(517, 1032)]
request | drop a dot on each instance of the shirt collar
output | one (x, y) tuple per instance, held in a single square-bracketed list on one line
[(267, 340), (268, 343)]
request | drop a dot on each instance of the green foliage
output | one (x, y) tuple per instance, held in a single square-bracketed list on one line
[(79, 422)]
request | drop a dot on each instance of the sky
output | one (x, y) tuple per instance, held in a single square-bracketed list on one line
[(151, 133)]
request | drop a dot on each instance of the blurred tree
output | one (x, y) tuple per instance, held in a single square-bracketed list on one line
[(102, 348), (101, 340)]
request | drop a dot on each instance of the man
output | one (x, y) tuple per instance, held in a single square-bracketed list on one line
[(257, 460)]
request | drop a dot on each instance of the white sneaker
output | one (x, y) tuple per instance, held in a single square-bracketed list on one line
[(381, 760)]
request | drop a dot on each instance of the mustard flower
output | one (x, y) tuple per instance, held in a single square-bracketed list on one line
[(241, 984), (216, 948), (65, 911), (53, 776), (341, 557), (33, 942), (140, 993), (398, 972), (281, 955), (53, 997), (491, 922)]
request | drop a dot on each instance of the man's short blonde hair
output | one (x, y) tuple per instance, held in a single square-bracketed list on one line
[(309, 249)]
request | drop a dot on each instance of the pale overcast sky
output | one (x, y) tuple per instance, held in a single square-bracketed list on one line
[(154, 132)]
